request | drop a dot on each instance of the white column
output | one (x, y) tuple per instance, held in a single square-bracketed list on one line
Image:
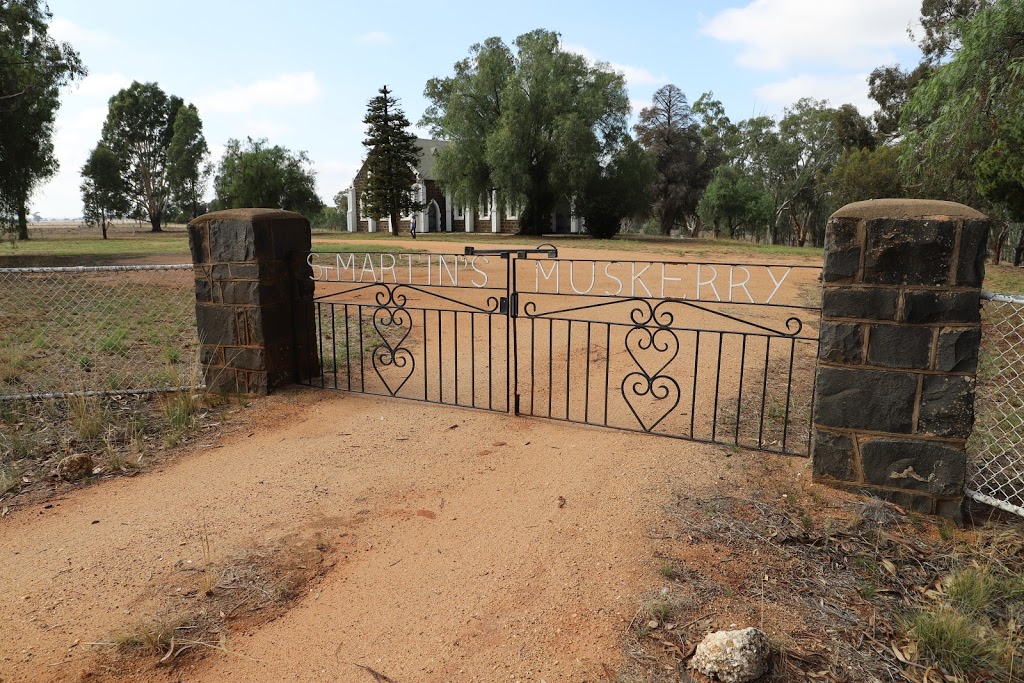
[(391, 226), (373, 225), (421, 222), (447, 211), (469, 219), (495, 223), (353, 210)]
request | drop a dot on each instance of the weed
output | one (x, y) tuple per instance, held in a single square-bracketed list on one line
[(11, 411), (156, 636), (670, 571), (958, 642), (970, 590), (88, 417), (10, 478)]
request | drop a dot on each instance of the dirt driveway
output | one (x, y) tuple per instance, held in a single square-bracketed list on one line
[(465, 545)]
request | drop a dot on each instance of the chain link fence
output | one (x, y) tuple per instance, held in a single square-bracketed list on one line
[(995, 473), (103, 329)]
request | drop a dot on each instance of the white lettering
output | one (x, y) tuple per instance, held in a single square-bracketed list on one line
[(739, 285), (318, 271), (394, 262), (710, 282), (547, 276), (636, 279), (665, 278), (472, 264), (607, 274), (778, 283), (350, 266), (593, 278), (443, 263), (368, 265)]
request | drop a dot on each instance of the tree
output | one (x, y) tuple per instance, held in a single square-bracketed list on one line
[(865, 174), (668, 130), (391, 160), (139, 129), (103, 191), (976, 108), (620, 190), (258, 175), (33, 68), (187, 168), (533, 122), (735, 200)]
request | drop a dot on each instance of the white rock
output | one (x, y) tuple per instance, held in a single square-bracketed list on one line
[(733, 656)]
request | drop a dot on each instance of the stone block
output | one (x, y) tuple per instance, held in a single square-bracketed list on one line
[(245, 358), (875, 400), (842, 250), (244, 292), (216, 324), (900, 346), (908, 252), (973, 251), (930, 467), (841, 343), (947, 406), (244, 271), (204, 292), (231, 239), (870, 304), (941, 307), (952, 509), (198, 243), (832, 456), (958, 349)]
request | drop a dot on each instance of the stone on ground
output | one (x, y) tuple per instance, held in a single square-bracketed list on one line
[(75, 467), (733, 656)]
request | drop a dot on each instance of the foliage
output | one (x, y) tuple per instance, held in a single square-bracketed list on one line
[(103, 191), (976, 101), (257, 175), (684, 162), (622, 189), (139, 129), (35, 67), (865, 174), (737, 202), (187, 168), (391, 161), (533, 122)]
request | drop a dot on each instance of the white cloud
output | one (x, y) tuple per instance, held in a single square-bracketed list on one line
[(287, 90), (837, 90), (77, 133), (376, 38), (634, 75), (265, 128), (638, 105), (103, 85), (78, 36), (775, 34), (333, 176)]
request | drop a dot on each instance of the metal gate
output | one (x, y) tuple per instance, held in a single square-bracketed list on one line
[(712, 352)]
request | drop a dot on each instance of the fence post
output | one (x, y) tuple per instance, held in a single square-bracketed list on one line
[(900, 331), (254, 303)]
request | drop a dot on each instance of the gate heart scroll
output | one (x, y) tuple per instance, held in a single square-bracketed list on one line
[(393, 326), (656, 348)]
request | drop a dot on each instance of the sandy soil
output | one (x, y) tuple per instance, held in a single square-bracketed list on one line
[(455, 560)]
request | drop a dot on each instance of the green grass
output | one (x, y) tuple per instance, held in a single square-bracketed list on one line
[(1004, 279), (956, 640), (171, 242)]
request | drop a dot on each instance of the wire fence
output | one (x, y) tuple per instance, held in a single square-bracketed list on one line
[(97, 330), (995, 473)]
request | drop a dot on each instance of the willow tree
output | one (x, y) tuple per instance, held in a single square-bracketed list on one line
[(533, 121)]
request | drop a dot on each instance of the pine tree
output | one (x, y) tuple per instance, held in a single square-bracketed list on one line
[(391, 161)]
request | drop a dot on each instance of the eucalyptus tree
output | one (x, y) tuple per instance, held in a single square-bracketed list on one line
[(532, 120), (260, 175), (103, 192), (187, 167), (33, 69)]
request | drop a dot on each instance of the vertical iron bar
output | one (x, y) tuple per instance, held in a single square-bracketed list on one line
[(320, 335), (586, 389), (348, 350), (551, 353), (472, 358), (455, 314), (440, 362), (718, 379), (568, 365), (739, 395), (533, 362), (511, 337), (607, 364), (764, 389), (334, 346), (789, 389), (490, 363), (814, 393), (696, 370), (362, 359), (426, 352)]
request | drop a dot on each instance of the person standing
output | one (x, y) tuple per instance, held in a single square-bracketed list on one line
[(412, 227)]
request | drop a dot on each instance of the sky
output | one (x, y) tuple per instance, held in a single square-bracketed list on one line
[(300, 73)]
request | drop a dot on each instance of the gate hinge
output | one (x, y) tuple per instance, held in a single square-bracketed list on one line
[(511, 305)]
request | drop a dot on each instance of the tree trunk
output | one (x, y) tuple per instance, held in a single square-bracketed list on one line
[(1018, 252), (394, 224), (154, 220), (103, 223), (22, 220), (997, 248)]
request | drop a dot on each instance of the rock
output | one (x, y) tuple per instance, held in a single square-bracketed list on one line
[(733, 656), (75, 467)]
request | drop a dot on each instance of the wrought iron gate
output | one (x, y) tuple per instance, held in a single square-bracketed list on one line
[(713, 352)]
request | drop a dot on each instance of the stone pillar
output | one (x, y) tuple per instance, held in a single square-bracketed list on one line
[(353, 210), (448, 212), (900, 330), (495, 214), (251, 276)]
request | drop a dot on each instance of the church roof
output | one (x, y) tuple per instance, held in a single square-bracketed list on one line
[(429, 149)]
